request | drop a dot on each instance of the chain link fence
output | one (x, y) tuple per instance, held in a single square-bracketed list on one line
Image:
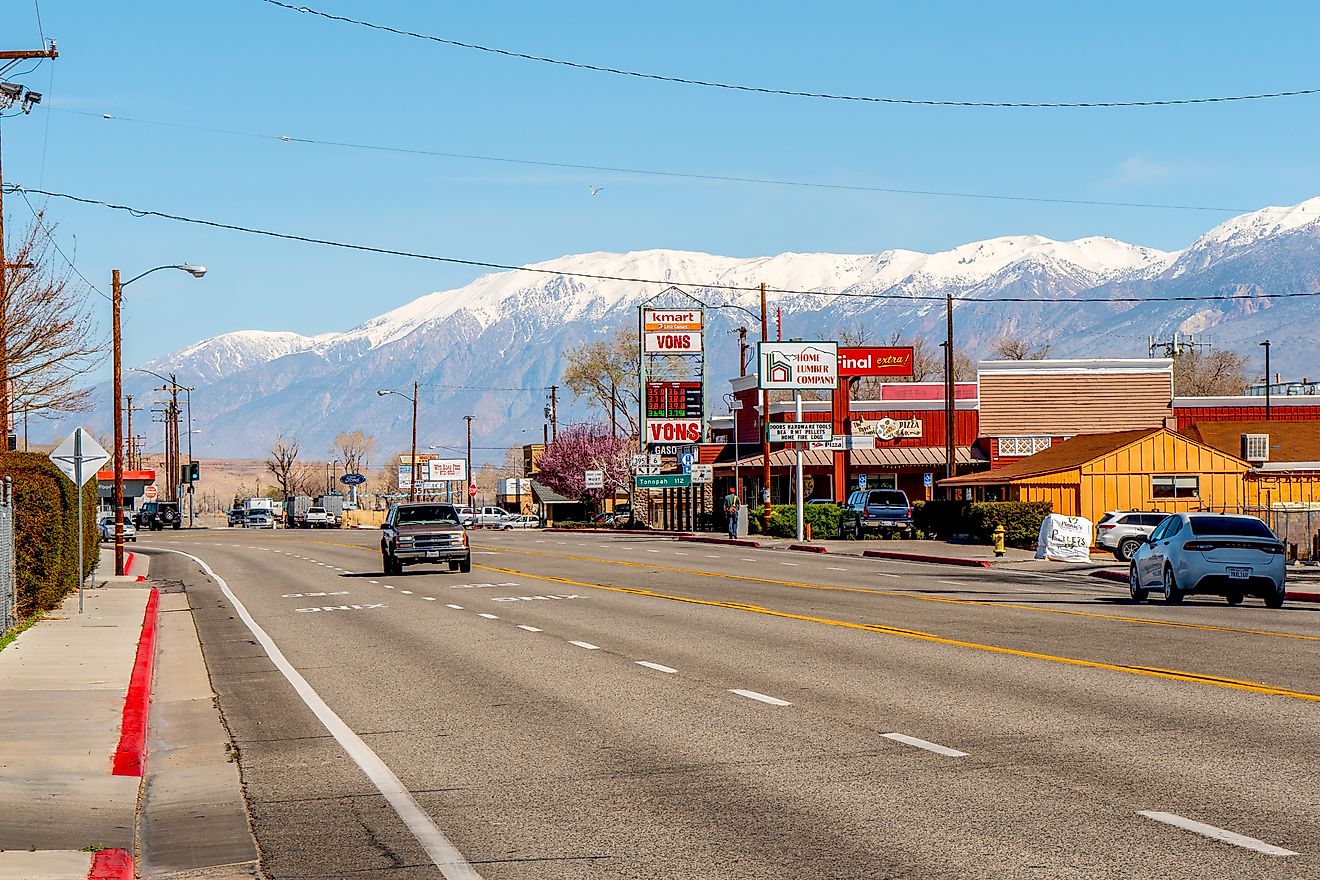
[(8, 575), (1294, 524)]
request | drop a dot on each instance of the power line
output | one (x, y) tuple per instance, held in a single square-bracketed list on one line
[(792, 93), (708, 285), (653, 172), (50, 236)]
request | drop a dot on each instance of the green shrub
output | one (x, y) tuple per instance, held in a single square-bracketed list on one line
[(942, 519), (1021, 521), (823, 518), (45, 531)]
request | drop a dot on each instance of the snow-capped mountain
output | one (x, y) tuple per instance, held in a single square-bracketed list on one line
[(490, 348)]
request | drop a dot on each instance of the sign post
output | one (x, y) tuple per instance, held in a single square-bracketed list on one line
[(79, 457), (796, 366)]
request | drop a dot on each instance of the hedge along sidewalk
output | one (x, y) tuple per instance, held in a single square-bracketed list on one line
[(62, 690)]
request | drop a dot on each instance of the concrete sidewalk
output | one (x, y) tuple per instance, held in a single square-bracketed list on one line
[(62, 694)]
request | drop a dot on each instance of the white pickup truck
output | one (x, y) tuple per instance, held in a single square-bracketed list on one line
[(489, 518), (317, 518)]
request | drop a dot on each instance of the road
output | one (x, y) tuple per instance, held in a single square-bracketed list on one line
[(585, 706)]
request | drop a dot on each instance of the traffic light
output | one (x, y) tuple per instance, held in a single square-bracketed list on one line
[(191, 472)]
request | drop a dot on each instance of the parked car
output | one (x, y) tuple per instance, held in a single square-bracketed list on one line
[(1227, 555), (884, 511), (1124, 531), (236, 516), (523, 522), (421, 532), (491, 517), (105, 524), (467, 516), (259, 519), (157, 515), (317, 518)]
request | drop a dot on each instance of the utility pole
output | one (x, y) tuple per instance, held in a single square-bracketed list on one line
[(1266, 344), (765, 424), (10, 94), (128, 451), (742, 352), (416, 471), (554, 414), (471, 477), (949, 395)]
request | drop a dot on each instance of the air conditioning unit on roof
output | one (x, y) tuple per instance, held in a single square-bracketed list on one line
[(1256, 447)]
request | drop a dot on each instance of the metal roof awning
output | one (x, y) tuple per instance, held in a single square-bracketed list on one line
[(931, 457)]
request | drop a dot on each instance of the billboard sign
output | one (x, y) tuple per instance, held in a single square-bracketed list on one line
[(800, 432), (796, 366), (671, 331), (405, 477), (443, 469), (673, 431), (875, 361)]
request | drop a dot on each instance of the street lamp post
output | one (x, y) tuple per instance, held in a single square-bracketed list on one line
[(116, 298), (412, 489)]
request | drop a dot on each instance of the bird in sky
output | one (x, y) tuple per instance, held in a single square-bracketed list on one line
[(595, 189)]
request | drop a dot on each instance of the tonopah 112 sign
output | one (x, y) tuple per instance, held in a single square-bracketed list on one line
[(875, 361)]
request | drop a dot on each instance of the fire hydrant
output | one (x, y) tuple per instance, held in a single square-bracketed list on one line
[(998, 536)]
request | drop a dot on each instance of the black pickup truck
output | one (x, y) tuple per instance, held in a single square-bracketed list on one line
[(421, 533)]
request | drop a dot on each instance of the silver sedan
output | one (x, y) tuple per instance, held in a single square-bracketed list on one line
[(1221, 554)]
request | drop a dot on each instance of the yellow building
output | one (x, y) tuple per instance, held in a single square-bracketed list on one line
[(1148, 469)]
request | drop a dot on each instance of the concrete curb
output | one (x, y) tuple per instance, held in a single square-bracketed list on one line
[(644, 532), (112, 864), (921, 557), (809, 548), (128, 757), (727, 542)]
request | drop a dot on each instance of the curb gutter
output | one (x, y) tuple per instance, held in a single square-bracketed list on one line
[(728, 542), (128, 756)]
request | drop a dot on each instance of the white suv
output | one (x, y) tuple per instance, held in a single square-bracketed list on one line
[(1124, 531)]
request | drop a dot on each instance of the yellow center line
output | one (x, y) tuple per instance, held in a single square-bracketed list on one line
[(977, 603), (1150, 671)]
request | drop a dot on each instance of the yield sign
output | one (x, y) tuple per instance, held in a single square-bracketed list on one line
[(79, 456)]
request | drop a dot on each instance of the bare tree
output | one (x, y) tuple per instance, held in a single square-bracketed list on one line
[(604, 372), (1015, 348), (46, 326), (353, 448), (1209, 374), (282, 464)]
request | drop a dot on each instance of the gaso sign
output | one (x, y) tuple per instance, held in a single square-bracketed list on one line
[(671, 331)]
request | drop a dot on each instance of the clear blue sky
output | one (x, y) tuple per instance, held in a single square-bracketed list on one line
[(243, 64)]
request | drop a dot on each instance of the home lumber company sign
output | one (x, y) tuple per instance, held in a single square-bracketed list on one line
[(798, 365)]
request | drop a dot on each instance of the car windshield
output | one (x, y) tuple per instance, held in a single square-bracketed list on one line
[(431, 514), (1234, 526)]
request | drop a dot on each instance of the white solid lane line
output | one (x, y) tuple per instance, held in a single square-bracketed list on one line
[(455, 607), (753, 695), (924, 744), (588, 645), (530, 629), (489, 616), (1214, 833), (444, 855), (656, 666)]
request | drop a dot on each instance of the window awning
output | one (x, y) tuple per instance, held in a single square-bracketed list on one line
[(892, 457)]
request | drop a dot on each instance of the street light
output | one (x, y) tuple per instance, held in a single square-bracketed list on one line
[(116, 297), (412, 488)]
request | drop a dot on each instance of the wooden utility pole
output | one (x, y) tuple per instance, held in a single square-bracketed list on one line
[(5, 399), (742, 351), (128, 449), (416, 471), (554, 413), (949, 395), (765, 423)]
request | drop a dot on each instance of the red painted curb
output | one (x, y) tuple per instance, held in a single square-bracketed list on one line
[(129, 558), (809, 548), (1119, 576), (728, 542), (112, 864), (127, 760), (919, 557)]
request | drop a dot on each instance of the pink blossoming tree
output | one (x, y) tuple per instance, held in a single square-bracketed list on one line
[(585, 447)]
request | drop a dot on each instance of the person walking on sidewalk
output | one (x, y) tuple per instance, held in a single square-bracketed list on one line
[(731, 504)]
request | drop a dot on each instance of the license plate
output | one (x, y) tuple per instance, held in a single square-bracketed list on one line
[(432, 554), (1239, 573)]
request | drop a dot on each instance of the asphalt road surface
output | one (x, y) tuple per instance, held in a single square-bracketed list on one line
[(585, 706)]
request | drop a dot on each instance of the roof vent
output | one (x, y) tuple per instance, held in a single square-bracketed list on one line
[(1256, 447)]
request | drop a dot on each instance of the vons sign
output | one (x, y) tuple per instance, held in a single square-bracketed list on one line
[(673, 431), (671, 331)]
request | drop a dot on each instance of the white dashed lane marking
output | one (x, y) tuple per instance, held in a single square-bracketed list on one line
[(455, 607), (429, 598), (1214, 833), (656, 666), (530, 629), (406, 592), (923, 744), (762, 698), (588, 645), (489, 616)]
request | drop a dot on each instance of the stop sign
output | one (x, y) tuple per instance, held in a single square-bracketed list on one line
[(472, 491), (150, 493)]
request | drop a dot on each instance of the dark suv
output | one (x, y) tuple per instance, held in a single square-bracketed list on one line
[(420, 532), (884, 511), (158, 515)]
